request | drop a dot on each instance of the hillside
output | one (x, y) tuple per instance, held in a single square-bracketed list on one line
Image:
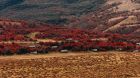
[(115, 16), (50, 11)]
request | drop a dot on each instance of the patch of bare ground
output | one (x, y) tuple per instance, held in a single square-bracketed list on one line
[(72, 65)]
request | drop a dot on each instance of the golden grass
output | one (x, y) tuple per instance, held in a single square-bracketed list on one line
[(72, 65)]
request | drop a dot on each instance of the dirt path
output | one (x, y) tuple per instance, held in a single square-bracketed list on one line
[(32, 56), (57, 54)]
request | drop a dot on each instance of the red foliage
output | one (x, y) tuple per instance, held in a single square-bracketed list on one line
[(19, 37)]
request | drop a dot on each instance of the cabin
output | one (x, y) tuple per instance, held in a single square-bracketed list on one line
[(94, 50), (138, 46), (64, 51), (100, 39)]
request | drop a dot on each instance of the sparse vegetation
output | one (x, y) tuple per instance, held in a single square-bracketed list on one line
[(83, 65)]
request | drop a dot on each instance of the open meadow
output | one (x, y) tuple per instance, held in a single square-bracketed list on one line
[(71, 65)]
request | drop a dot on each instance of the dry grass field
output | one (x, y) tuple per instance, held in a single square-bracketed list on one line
[(72, 65)]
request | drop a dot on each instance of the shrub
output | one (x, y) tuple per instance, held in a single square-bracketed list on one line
[(23, 51)]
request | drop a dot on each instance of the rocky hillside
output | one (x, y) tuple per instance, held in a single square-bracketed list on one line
[(115, 16)]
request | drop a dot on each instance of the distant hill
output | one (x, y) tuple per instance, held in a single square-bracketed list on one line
[(49, 11), (115, 16)]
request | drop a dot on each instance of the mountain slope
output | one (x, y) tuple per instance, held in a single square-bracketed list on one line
[(115, 16), (50, 11), (7, 3)]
